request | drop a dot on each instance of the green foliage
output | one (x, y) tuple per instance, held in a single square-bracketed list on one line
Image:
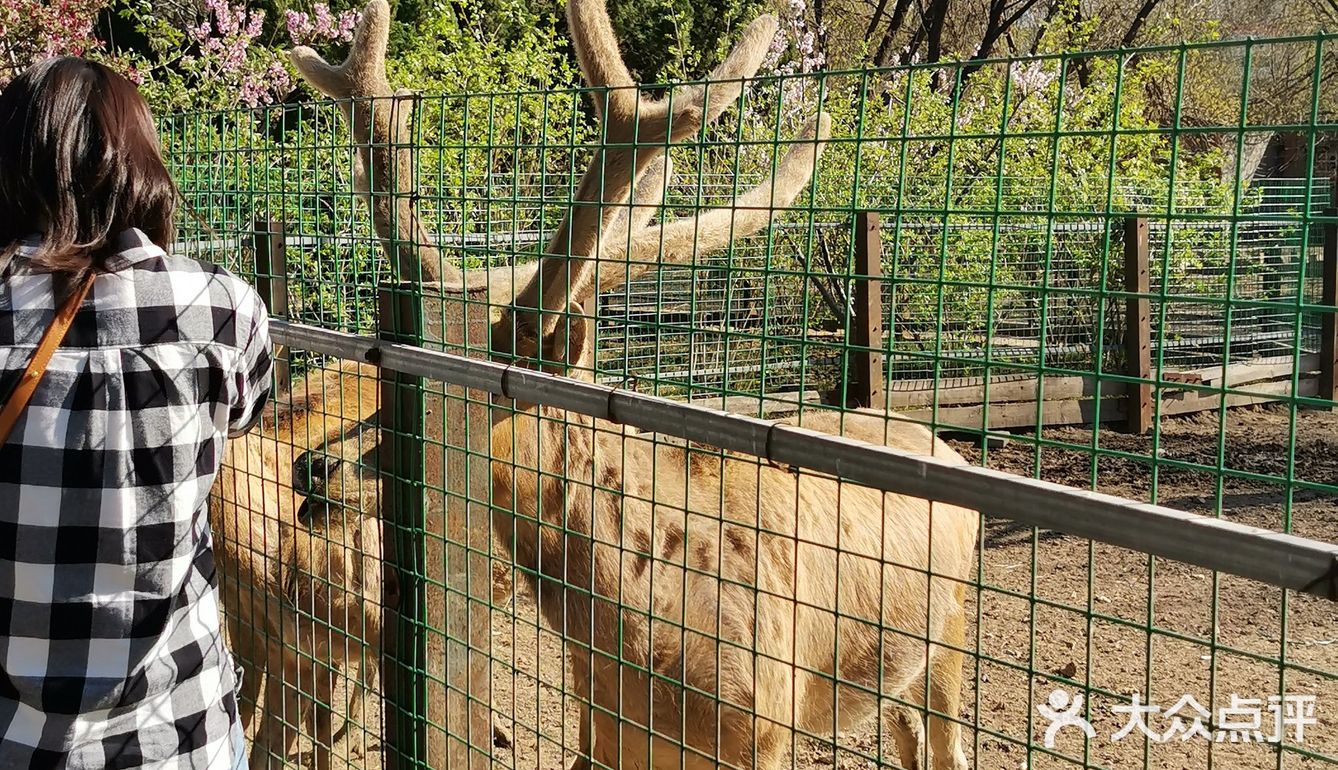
[(665, 40), (994, 184), (479, 153)]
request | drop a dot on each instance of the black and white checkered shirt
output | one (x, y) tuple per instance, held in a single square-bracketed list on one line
[(111, 653)]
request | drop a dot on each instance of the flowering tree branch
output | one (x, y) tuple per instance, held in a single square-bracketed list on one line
[(31, 32)]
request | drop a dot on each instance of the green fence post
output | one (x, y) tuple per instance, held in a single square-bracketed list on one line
[(269, 246), (1137, 326), (401, 466), (1328, 323), (865, 382)]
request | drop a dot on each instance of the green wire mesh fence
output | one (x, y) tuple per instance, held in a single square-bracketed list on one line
[(1109, 270)]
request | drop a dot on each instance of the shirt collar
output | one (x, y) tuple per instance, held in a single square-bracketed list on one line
[(131, 246)]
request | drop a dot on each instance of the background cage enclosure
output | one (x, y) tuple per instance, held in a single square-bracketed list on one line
[(1065, 271)]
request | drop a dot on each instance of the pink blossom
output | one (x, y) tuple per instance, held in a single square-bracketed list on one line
[(234, 56), (229, 55), (280, 81), (320, 25), (778, 46), (322, 19), (1030, 77), (799, 35), (250, 93), (32, 31), (348, 20), (299, 26), (255, 24), (225, 18)]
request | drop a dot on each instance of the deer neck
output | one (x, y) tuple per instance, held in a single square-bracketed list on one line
[(541, 459)]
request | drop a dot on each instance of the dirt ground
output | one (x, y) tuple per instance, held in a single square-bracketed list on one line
[(1087, 625)]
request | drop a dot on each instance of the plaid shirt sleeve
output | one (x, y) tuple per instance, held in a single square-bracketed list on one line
[(253, 377)]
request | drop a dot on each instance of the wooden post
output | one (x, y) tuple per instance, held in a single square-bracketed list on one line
[(1328, 324), (1137, 326), (439, 710), (271, 265), (867, 375), (403, 654), (1295, 154), (458, 524)]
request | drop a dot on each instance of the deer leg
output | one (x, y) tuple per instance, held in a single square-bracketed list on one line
[(618, 714), (770, 746), (502, 587), (582, 760), (244, 644), (580, 674), (605, 751), (743, 742), (352, 712), (906, 726), (904, 719), (322, 737), (626, 734), (248, 694), (945, 697), (268, 733), (353, 706), (283, 713), (353, 726)]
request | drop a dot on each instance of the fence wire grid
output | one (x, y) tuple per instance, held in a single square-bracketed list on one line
[(996, 312)]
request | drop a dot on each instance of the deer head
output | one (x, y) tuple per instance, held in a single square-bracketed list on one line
[(603, 240)]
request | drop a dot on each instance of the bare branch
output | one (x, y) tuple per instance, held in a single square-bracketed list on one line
[(874, 18), (997, 26), (827, 282), (1140, 19), (933, 19)]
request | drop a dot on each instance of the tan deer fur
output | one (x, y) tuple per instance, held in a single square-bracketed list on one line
[(341, 589), (631, 515), (745, 568), (286, 585)]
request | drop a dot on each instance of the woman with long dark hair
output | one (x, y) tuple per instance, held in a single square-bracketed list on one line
[(124, 370)]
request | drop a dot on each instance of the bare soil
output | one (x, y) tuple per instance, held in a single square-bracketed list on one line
[(1059, 612)]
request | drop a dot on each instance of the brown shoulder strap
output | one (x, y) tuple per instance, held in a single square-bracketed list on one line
[(51, 340)]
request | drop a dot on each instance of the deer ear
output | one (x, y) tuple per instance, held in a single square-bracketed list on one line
[(570, 344)]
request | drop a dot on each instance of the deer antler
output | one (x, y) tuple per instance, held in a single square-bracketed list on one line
[(715, 228), (383, 164), (629, 117), (618, 194)]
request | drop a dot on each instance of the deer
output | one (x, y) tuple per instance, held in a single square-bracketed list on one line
[(300, 579), (697, 590)]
